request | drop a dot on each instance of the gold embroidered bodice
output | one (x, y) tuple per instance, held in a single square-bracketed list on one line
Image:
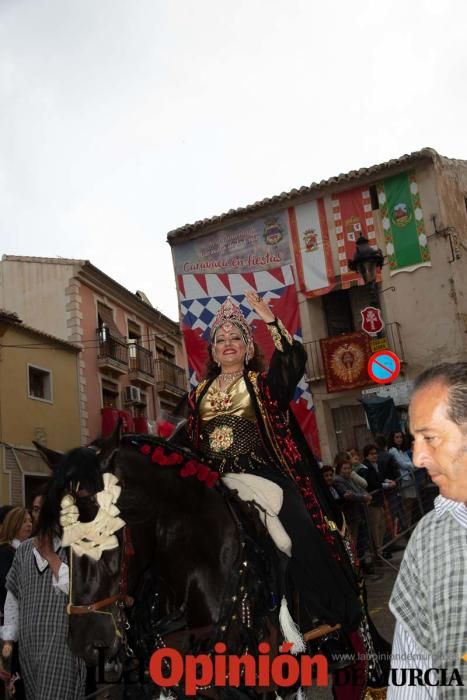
[(229, 430), (235, 400)]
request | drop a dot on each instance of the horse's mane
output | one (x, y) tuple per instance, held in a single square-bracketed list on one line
[(149, 486)]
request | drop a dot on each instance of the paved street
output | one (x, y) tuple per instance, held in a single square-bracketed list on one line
[(379, 593)]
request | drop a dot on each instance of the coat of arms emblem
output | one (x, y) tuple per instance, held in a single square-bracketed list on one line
[(372, 323), (401, 214), (353, 228), (272, 232), (310, 239)]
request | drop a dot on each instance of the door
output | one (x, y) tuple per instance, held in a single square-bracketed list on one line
[(350, 427)]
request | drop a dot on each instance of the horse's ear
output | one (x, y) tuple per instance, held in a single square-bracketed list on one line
[(106, 447), (50, 457)]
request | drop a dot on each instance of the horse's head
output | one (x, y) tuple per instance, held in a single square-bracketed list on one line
[(78, 471), (186, 545), (98, 588), (79, 474), (98, 594), (97, 619)]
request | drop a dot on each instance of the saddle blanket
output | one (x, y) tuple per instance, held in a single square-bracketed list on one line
[(267, 497)]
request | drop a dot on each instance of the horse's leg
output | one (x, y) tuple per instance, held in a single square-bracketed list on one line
[(270, 695)]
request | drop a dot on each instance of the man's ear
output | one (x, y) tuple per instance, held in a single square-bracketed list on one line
[(50, 457)]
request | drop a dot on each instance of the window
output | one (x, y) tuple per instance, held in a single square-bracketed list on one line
[(342, 309), (164, 350), (374, 197), (39, 383), (110, 394), (338, 312), (133, 339), (134, 331), (140, 410)]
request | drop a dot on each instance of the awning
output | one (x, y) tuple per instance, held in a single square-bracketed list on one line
[(107, 317), (382, 415)]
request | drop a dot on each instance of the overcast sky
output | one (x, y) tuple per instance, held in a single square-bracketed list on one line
[(123, 119)]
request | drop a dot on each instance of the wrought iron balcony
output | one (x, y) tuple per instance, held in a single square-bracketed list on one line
[(141, 364), (315, 366), (171, 379), (112, 353)]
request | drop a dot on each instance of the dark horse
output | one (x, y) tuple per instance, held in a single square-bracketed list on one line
[(198, 564)]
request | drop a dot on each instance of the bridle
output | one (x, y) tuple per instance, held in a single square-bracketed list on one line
[(121, 598)]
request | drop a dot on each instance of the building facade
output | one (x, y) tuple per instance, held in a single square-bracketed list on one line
[(39, 401), (132, 362), (413, 208)]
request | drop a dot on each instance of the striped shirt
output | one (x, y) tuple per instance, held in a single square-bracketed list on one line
[(49, 669), (425, 634), (10, 629)]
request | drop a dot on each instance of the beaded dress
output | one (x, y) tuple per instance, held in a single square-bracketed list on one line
[(247, 427)]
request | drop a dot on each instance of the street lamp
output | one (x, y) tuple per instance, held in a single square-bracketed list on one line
[(366, 261)]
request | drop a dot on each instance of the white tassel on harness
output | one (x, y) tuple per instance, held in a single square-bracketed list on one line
[(300, 695), (290, 629)]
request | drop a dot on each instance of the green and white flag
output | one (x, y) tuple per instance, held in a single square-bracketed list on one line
[(404, 229)]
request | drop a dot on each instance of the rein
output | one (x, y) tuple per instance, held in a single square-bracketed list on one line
[(122, 594)]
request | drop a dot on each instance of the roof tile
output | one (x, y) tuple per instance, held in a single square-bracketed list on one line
[(314, 188)]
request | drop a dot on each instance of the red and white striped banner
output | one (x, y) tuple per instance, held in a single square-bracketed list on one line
[(311, 247), (353, 217)]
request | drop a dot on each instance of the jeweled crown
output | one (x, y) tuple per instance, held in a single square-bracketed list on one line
[(229, 312)]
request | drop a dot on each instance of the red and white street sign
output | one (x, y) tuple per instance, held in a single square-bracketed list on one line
[(384, 366), (372, 323)]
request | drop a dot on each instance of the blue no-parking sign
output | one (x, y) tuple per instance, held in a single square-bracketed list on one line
[(384, 366)]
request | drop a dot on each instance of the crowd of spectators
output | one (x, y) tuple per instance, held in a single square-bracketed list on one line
[(382, 495)]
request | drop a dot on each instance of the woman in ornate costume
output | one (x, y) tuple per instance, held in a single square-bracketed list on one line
[(239, 420)]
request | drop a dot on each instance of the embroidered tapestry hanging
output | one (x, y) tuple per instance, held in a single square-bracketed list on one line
[(345, 359)]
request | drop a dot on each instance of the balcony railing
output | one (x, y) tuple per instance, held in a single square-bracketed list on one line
[(170, 377), (315, 366), (141, 359), (111, 348)]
